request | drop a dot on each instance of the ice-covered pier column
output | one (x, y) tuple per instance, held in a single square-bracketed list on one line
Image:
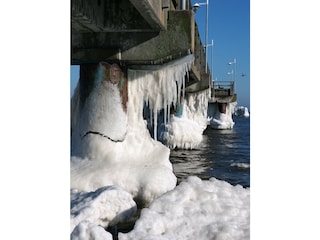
[(110, 141), (111, 144), (221, 105)]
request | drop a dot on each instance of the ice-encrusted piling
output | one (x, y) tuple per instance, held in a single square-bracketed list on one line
[(111, 144), (163, 88), (241, 111), (221, 119), (185, 131), (99, 107)]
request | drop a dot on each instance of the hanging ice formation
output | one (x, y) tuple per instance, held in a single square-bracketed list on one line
[(196, 108), (185, 131), (159, 87)]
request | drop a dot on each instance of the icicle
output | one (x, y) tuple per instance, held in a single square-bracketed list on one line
[(168, 108), (179, 89), (151, 116), (165, 113), (183, 88), (169, 113), (155, 125)]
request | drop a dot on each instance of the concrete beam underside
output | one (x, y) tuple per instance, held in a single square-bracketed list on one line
[(145, 47), (139, 32)]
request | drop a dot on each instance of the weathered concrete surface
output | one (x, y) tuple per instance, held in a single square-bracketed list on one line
[(116, 15), (200, 57), (137, 32), (177, 40), (144, 47), (95, 47), (152, 11), (228, 99), (200, 84), (100, 29)]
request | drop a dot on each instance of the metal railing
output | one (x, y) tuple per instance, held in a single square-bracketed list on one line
[(222, 88)]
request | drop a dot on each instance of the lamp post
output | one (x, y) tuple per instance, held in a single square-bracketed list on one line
[(234, 63), (195, 7), (211, 45)]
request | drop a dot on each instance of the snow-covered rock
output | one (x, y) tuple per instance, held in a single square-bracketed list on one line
[(90, 231), (104, 207)]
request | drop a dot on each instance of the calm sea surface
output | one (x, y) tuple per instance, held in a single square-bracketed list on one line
[(224, 154)]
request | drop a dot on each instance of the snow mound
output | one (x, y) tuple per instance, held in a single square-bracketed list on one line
[(89, 231), (196, 209), (104, 207)]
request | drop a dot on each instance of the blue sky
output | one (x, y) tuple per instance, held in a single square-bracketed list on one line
[(229, 28)]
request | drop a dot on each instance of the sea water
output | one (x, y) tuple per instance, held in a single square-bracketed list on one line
[(223, 154)]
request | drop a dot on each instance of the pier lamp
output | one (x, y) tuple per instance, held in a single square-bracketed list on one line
[(195, 8), (234, 62), (231, 73)]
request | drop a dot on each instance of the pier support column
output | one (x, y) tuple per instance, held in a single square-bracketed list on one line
[(99, 106), (110, 72), (222, 107)]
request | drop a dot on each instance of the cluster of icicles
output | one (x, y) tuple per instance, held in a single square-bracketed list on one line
[(159, 87)]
